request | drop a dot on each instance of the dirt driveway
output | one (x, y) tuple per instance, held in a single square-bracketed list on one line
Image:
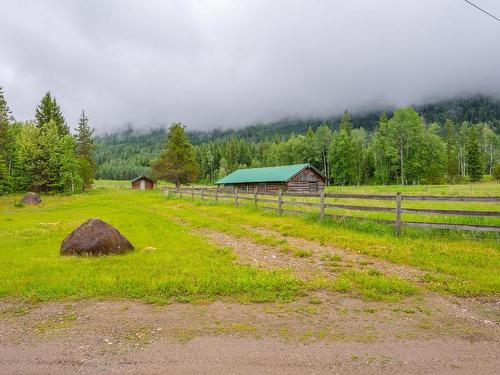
[(340, 335)]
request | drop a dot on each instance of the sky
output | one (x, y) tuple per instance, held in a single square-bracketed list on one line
[(230, 63)]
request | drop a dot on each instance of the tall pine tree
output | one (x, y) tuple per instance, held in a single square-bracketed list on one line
[(177, 162), (48, 110), (5, 143), (5, 120), (85, 148)]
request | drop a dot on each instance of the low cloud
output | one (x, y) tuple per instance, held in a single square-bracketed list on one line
[(231, 63)]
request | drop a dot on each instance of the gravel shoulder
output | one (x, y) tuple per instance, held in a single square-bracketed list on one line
[(340, 335)]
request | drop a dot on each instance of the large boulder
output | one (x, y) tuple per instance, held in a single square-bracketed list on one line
[(95, 237), (31, 198)]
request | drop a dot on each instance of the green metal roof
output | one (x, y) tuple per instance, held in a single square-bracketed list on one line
[(268, 174)]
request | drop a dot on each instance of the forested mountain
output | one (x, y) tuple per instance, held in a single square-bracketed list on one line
[(126, 154)]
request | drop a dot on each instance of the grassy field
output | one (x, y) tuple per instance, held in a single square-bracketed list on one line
[(181, 265), (172, 260), (486, 189)]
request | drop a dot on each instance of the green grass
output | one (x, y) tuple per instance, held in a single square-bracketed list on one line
[(172, 263), (452, 262), (183, 266), (488, 189), (300, 253), (481, 189), (370, 286)]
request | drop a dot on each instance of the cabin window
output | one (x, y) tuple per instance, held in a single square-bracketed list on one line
[(313, 187), (262, 186)]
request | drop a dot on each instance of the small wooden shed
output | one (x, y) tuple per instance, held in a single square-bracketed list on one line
[(142, 183), (294, 178)]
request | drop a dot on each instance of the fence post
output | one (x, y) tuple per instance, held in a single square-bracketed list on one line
[(236, 198), (216, 195), (398, 213), (280, 202), (165, 191), (180, 191), (192, 191), (202, 193), (255, 196), (322, 204)]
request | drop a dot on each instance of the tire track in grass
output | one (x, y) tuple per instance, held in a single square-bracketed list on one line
[(332, 255), (475, 310)]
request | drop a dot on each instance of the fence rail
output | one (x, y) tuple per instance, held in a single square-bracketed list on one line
[(278, 199)]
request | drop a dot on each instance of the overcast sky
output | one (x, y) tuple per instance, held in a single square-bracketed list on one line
[(230, 63)]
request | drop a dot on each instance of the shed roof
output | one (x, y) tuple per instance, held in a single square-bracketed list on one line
[(141, 178), (268, 174)]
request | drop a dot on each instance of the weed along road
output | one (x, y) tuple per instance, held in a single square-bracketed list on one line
[(214, 288)]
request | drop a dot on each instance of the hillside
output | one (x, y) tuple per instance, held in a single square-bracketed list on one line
[(125, 154)]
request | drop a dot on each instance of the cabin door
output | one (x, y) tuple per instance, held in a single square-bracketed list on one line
[(143, 185)]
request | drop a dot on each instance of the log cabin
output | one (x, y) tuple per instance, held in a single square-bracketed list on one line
[(142, 183), (301, 178)]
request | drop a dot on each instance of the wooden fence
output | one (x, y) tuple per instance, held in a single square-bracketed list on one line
[(279, 199)]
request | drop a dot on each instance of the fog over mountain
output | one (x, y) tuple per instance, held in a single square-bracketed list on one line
[(231, 63)]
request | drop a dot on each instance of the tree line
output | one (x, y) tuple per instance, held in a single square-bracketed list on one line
[(403, 149), (128, 153), (43, 155)]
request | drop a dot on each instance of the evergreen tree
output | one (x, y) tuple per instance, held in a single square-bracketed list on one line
[(5, 120), (46, 161), (48, 110), (177, 162), (474, 159), (6, 141), (85, 148), (40, 157)]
